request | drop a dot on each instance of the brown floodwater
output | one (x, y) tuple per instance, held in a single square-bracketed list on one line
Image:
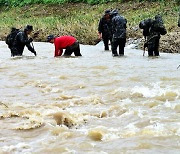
[(95, 104)]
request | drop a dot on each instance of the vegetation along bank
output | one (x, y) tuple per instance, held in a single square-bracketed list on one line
[(80, 18)]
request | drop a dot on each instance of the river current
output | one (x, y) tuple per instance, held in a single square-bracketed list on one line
[(94, 104)]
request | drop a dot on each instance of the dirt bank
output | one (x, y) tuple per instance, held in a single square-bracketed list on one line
[(170, 43)]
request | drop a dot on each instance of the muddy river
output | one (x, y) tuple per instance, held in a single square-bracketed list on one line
[(95, 104)]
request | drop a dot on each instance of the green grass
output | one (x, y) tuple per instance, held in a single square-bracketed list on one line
[(81, 20), (14, 3)]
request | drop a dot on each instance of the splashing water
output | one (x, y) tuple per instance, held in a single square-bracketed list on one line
[(93, 104)]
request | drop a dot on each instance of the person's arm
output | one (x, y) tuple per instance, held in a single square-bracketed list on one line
[(58, 52), (30, 48), (113, 25), (23, 39), (100, 28), (125, 23)]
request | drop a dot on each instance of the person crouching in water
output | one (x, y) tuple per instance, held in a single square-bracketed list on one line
[(69, 43), (22, 40), (105, 29), (118, 33)]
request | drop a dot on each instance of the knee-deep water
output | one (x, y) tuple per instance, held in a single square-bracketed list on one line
[(91, 104)]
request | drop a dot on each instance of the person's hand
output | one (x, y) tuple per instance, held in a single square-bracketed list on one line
[(34, 52), (100, 35)]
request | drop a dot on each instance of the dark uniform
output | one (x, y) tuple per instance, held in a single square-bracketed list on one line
[(118, 33), (105, 29), (154, 29), (22, 40), (10, 38)]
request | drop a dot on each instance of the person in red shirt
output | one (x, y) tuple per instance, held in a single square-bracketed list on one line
[(69, 43)]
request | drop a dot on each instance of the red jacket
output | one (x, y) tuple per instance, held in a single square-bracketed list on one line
[(61, 43)]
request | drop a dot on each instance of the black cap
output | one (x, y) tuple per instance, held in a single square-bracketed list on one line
[(28, 28), (50, 37), (107, 12)]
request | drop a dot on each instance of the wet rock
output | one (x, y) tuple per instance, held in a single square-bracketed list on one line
[(62, 118), (95, 135)]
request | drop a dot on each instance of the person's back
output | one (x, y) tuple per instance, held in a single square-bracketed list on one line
[(21, 40), (146, 25), (157, 27), (119, 26), (119, 33), (63, 42), (11, 37)]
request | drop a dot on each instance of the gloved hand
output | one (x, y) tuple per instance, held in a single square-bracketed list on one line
[(30, 40), (34, 52)]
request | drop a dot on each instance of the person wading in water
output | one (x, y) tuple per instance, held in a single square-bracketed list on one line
[(152, 29), (105, 29), (69, 43), (21, 40), (118, 33)]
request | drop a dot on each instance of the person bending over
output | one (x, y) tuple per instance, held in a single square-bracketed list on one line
[(153, 29), (69, 43)]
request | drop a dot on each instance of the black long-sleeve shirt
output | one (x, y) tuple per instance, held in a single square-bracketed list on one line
[(105, 27), (21, 40), (119, 26)]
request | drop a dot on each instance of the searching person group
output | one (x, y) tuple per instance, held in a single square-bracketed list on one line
[(112, 27)]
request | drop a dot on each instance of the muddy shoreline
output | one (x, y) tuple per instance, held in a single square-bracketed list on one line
[(81, 21)]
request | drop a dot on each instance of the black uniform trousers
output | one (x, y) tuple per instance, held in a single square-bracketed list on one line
[(118, 42), (153, 47), (73, 48), (106, 42)]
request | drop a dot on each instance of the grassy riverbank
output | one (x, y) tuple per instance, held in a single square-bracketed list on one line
[(81, 20)]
